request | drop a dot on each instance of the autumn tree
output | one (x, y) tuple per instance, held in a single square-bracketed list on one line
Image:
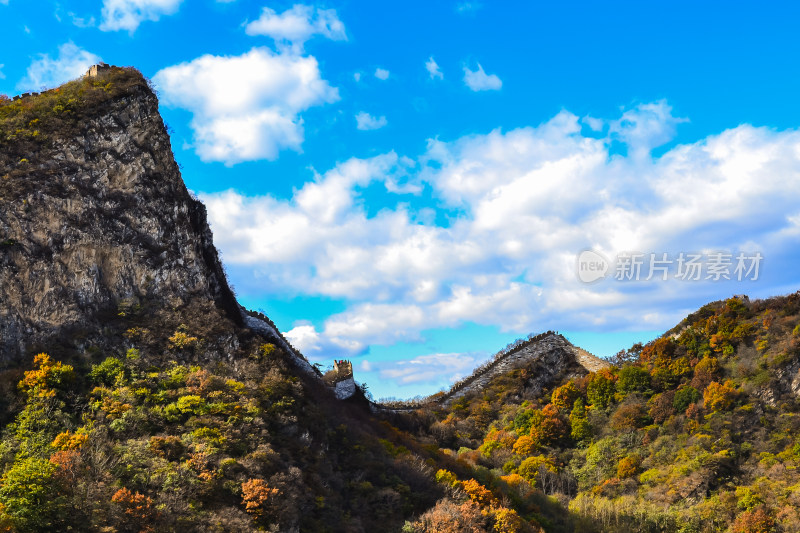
[(547, 427), (531, 468), (661, 406), (47, 378), (136, 511), (564, 396), (258, 497), (757, 520), (630, 415), (719, 396)]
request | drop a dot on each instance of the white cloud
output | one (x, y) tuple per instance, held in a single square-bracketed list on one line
[(129, 14), (246, 107), (297, 25), (82, 22), (595, 124), (478, 80), (433, 69), (357, 76), (646, 127), (432, 368), (2, 76), (381, 74), (72, 62), (365, 121), (468, 7), (520, 206)]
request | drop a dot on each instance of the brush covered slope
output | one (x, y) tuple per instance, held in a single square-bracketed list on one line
[(135, 394), (698, 431)]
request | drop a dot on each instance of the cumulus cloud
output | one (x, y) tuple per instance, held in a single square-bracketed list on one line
[(71, 62), (433, 69), (520, 205), (129, 14), (381, 73), (365, 121), (297, 25), (478, 80), (246, 107)]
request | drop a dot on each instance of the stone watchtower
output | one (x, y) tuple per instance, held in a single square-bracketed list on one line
[(342, 380), (343, 369), (97, 70)]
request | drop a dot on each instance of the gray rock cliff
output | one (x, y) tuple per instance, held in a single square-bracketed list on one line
[(95, 215)]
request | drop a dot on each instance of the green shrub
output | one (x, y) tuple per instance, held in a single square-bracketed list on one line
[(109, 373), (684, 397), (633, 379)]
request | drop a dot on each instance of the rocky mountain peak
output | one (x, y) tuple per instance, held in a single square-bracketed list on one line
[(94, 214)]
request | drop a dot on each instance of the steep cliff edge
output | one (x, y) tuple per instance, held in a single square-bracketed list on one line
[(94, 215)]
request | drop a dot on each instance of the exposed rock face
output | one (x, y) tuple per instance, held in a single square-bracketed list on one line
[(98, 219), (345, 389)]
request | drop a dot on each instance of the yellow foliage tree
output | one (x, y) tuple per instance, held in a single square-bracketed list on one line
[(46, 377), (719, 396)]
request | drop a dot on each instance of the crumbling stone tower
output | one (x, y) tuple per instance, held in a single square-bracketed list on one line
[(98, 70), (343, 369), (342, 380)]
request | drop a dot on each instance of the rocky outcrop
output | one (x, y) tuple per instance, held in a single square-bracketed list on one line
[(345, 388), (100, 218)]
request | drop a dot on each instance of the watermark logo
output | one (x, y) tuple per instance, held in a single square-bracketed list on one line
[(637, 266), (592, 266)]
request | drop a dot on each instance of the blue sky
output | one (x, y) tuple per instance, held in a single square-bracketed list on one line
[(410, 185)]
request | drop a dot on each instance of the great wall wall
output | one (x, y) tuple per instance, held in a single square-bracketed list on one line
[(548, 355)]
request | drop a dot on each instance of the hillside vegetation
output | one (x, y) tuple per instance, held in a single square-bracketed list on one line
[(148, 438), (698, 431)]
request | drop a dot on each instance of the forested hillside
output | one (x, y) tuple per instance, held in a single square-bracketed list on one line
[(698, 431)]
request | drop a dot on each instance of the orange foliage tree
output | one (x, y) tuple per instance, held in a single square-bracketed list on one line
[(137, 510), (719, 396), (257, 497), (46, 377), (756, 520)]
